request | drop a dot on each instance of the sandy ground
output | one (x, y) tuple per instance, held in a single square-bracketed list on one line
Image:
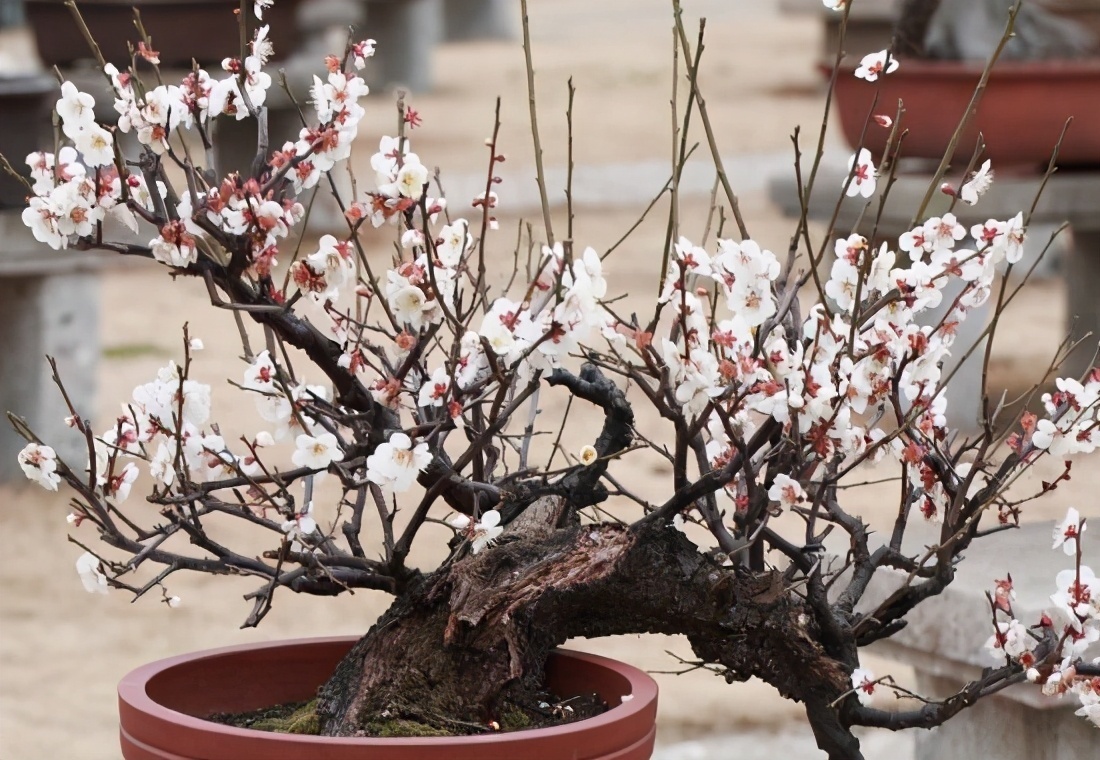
[(62, 651)]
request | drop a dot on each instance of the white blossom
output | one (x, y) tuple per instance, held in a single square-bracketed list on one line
[(976, 186), (361, 51), (262, 47), (434, 390), (1011, 639), (88, 568), (482, 533), (862, 171), (588, 455), (874, 64), (1090, 704), (76, 109), (787, 491), (261, 374), (118, 486), (96, 145), (39, 463), (1077, 597), (302, 524), (396, 463), (411, 178), (1067, 533), (318, 452), (863, 682)]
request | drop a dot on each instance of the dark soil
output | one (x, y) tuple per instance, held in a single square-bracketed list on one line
[(537, 710)]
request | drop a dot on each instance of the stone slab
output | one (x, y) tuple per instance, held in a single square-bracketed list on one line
[(466, 20), (57, 316), (1070, 196), (49, 305), (23, 256), (1007, 730), (794, 742), (946, 633)]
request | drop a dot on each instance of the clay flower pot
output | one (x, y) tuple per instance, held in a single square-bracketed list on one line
[(161, 707), (205, 30), (25, 102), (1020, 116)]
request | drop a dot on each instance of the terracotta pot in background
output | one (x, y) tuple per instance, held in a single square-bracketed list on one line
[(25, 103), (180, 29), (161, 706), (1020, 116)]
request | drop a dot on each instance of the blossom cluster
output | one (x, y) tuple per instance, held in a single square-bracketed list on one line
[(87, 182), (866, 350), (861, 352), (70, 202), (1072, 625)]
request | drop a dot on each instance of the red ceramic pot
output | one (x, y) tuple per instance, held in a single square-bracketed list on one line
[(1020, 115), (161, 706), (205, 30)]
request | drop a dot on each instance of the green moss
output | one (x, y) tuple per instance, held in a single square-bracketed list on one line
[(515, 720), (133, 351), (399, 727), (302, 720)]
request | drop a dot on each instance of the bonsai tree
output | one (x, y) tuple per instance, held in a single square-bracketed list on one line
[(398, 403), (970, 29)]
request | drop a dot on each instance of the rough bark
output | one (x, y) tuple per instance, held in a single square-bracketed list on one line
[(452, 649)]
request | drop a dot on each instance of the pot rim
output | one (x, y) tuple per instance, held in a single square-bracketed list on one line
[(951, 69), (132, 694)]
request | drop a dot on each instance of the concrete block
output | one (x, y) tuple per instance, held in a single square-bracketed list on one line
[(1005, 729), (1083, 307), (409, 30), (55, 315), (465, 20), (49, 304), (944, 641)]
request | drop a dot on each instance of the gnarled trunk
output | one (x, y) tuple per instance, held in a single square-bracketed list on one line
[(455, 647)]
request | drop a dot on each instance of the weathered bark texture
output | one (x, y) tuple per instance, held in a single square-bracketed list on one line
[(454, 647)]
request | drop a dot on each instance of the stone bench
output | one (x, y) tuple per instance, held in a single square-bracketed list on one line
[(1070, 196), (407, 32), (944, 639), (48, 299), (49, 305)]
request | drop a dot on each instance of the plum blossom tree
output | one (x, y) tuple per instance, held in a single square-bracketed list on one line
[(774, 388)]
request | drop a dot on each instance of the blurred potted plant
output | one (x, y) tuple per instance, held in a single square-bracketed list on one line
[(1047, 73), (403, 407), (181, 30)]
